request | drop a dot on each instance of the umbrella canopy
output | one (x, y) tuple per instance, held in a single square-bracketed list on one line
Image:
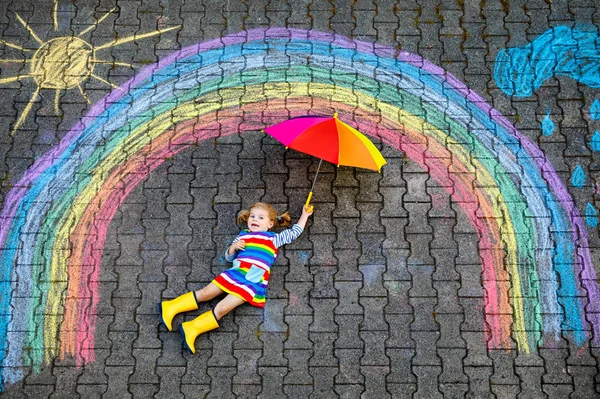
[(329, 139)]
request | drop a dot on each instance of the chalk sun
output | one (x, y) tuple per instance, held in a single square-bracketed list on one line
[(65, 63)]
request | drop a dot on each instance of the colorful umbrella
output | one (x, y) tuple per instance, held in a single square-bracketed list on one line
[(328, 139)]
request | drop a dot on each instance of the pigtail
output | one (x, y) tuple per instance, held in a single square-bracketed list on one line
[(283, 220), (243, 217)]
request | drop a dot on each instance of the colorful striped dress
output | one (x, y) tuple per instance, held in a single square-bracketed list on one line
[(249, 276)]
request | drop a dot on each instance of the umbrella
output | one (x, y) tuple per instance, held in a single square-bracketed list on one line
[(328, 139)]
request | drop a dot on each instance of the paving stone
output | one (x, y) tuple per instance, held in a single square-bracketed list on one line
[(298, 391), (273, 353), (427, 381), (323, 378), (479, 381), (348, 331), (298, 372), (349, 267), (143, 390), (374, 348), (323, 317), (272, 378), (349, 391), (117, 381), (375, 381), (221, 382), (170, 380)]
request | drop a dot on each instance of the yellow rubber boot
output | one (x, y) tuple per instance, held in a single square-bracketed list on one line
[(191, 329), (183, 303)]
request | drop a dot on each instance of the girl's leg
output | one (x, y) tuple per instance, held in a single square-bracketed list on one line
[(207, 293), (207, 321), (226, 305)]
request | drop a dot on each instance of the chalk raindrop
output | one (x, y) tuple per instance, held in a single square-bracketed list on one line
[(578, 177), (591, 215), (547, 125), (595, 110), (595, 142)]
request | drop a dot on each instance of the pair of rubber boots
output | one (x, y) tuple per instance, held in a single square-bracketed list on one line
[(190, 329)]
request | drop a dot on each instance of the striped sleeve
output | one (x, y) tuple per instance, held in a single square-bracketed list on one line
[(287, 236), (230, 258)]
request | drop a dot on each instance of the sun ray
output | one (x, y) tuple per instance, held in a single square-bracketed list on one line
[(112, 63), (55, 15), (56, 102), (15, 46), (26, 111), (105, 81), (14, 78), (83, 94), (135, 37), (37, 39), (89, 28)]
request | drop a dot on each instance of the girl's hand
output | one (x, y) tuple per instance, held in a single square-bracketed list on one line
[(307, 210), (236, 246), (239, 245)]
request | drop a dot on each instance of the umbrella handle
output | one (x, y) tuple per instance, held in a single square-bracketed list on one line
[(308, 201)]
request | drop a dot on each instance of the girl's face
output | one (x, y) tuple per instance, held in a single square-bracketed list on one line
[(259, 220)]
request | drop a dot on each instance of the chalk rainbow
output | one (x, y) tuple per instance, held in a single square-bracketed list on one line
[(55, 219)]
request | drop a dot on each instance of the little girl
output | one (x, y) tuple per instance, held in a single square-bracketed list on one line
[(252, 252)]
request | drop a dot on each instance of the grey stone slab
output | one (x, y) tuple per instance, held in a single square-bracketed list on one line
[(323, 316), (348, 331), (298, 371), (222, 349), (323, 378), (272, 381), (273, 352), (375, 381), (247, 361), (323, 343), (144, 390), (117, 381), (374, 348), (350, 369), (452, 366), (298, 303), (298, 391), (221, 382), (426, 353), (427, 381), (374, 314), (402, 390)]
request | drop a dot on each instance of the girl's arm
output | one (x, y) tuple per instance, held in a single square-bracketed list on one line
[(289, 235), (305, 214)]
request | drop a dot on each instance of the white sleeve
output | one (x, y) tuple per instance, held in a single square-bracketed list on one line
[(230, 258), (287, 236)]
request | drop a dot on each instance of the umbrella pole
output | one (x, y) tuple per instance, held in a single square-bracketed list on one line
[(313, 186)]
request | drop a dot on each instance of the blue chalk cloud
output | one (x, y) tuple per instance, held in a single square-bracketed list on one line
[(564, 51)]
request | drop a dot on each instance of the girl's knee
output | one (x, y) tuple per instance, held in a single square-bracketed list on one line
[(207, 293), (229, 303)]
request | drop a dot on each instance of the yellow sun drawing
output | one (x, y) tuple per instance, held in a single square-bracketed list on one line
[(65, 62)]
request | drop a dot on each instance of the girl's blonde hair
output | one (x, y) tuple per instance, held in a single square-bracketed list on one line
[(282, 220)]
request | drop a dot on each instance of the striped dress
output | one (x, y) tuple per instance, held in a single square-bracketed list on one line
[(249, 276)]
